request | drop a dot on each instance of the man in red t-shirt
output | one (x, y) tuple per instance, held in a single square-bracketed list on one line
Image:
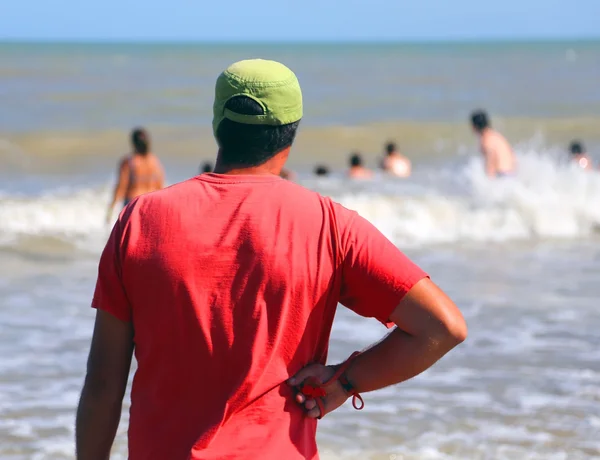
[(226, 285)]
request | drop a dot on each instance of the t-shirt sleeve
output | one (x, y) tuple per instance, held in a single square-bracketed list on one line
[(376, 275), (110, 295)]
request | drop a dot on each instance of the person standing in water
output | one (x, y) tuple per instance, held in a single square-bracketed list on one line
[(226, 286), (321, 170), (206, 167), (139, 173), (357, 168), (394, 162), (499, 157), (580, 156)]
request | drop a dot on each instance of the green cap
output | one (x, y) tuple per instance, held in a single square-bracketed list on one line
[(271, 84)]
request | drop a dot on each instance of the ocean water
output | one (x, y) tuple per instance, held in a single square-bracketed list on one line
[(520, 256)]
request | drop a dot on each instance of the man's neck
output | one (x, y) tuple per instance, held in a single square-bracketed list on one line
[(251, 171), (273, 166)]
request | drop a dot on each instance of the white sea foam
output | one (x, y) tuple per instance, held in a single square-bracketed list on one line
[(544, 200)]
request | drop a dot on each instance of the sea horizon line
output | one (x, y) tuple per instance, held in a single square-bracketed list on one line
[(302, 43)]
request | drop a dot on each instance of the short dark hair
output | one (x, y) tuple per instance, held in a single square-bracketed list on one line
[(321, 170), (206, 167), (356, 159), (390, 148), (251, 145), (480, 120), (576, 148), (141, 141)]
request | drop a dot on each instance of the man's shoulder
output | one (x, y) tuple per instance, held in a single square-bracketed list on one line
[(401, 158), (491, 139), (162, 198), (297, 196), (500, 143), (334, 215), (124, 161), (496, 136), (338, 211), (172, 191)]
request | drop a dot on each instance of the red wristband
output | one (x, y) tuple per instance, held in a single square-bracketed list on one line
[(351, 391), (313, 389)]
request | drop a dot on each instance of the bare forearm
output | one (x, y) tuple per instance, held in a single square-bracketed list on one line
[(97, 422), (395, 359)]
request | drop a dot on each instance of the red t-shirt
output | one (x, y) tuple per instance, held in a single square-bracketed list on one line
[(232, 283)]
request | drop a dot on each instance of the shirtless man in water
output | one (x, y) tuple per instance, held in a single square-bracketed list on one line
[(357, 168), (580, 156), (499, 157), (139, 173), (394, 162)]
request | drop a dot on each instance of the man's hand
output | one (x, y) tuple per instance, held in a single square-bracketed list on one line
[(334, 397)]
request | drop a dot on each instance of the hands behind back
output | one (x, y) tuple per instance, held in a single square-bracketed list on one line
[(335, 395)]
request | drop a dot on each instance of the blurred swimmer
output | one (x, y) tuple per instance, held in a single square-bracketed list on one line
[(357, 168), (499, 157), (321, 170), (394, 162), (140, 172), (207, 167), (579, 155)]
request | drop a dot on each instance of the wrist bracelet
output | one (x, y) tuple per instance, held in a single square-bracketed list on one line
[(351, 391), (315, 390)]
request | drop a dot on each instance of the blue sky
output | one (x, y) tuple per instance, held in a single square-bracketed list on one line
[(300, 20)]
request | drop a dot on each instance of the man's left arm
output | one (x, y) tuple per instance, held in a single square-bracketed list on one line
[(108, 367)]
